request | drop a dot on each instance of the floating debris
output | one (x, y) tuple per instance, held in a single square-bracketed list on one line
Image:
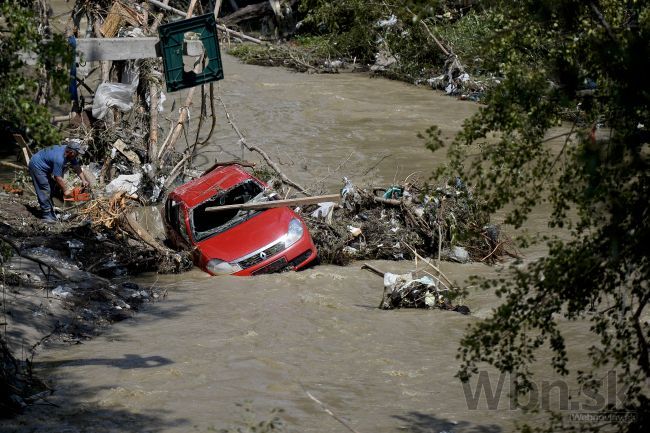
[(404, 291), (427, 291)]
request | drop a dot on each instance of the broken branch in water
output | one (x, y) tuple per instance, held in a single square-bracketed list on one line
[(435, 268), (330, 413), (253, 148), (372, 269)]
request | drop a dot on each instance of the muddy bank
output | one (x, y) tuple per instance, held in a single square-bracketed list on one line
[(60, 286)]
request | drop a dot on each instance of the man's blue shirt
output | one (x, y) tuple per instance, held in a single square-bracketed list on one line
[(51, 160)]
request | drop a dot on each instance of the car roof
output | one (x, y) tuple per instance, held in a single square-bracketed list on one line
[(200, 189)]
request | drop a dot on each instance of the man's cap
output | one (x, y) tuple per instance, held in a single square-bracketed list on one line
[(76, 145)]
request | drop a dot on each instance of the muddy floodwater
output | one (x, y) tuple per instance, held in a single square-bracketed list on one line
[(185, 363)]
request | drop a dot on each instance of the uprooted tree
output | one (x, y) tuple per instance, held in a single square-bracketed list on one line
[(596, 54)]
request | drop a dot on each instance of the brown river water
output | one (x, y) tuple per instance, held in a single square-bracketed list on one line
[(185, 363)]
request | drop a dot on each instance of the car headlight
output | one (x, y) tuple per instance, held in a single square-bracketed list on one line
[(219, 267), (294, 233)]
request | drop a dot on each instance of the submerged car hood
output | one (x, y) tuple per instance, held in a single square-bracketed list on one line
[(261, 230)]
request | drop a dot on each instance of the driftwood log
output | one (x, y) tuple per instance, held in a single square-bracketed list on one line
[(25, 148), (129, 223)]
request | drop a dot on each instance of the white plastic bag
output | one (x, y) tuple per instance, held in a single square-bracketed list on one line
[(109, 95), (118, 95), (128, 183)]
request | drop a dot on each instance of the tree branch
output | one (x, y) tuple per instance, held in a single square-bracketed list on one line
[(644, 359), (603, 21)]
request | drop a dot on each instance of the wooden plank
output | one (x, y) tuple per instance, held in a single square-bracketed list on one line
[(276, 203), (95, 49), (119, 14), (26, 151), (124, 150)]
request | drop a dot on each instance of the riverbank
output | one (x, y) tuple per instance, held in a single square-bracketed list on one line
[(303, 58), (50, 297)]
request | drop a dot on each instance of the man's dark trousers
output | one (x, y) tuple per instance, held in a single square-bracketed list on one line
[(44, 186)]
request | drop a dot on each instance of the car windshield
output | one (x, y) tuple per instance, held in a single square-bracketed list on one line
[(206, 224)]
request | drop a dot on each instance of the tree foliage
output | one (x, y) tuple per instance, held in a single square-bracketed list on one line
[(357, 29), (587, 59), (21, 34)]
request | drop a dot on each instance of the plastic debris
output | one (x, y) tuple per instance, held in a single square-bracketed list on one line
[(333, 64), (74, 246), (383, 60), (118, 95), (62, 292), (394, 192), (110, 95), (389, 22), (128, 183), (356, 231), (458, 254), (323, 210), (405, 291)]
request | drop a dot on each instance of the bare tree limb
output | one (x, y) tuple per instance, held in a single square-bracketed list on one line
[(223, 28), (330, 413), (603, 21), (253, 148)]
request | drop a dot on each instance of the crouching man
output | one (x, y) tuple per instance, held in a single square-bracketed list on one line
[(47, 167)]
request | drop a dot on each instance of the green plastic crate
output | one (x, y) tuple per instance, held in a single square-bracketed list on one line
[(172, 37)]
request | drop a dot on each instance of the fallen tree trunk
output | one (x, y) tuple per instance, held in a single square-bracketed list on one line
[(249, 12), (12, 165), (54, 267), (25, 148)]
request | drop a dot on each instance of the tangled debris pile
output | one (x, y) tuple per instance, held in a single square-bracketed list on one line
[(18, 386), (393, 223), (99, 237), (405, 291), (419, 289)]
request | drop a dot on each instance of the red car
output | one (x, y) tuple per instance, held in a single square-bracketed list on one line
[(239, 242)]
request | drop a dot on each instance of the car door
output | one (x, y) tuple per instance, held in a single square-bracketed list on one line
[(176, 224)]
